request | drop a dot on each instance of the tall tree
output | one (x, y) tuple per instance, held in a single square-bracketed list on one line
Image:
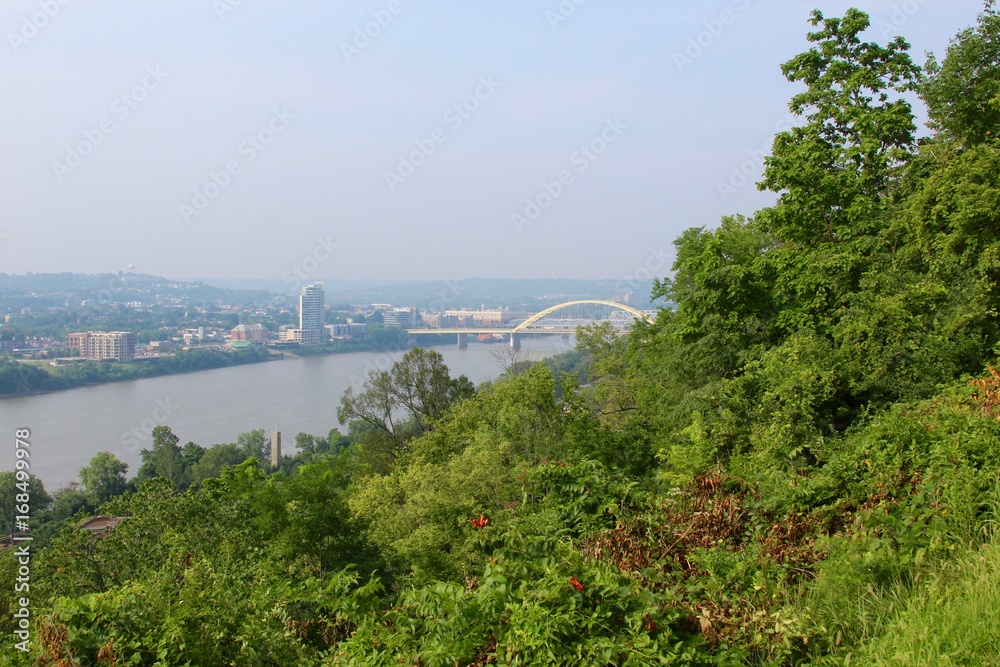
[(214, 461), (831, 171), (255, 445), (422, 386), (12, 494), (834, 172), (165, 459), (103, 478), (963, 92), (405, 400)]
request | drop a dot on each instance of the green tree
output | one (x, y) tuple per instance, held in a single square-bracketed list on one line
[(462, 388), (165, 459), (305, 443), (834, 173), (422, 386), (214, 461), (191, 453), (963, 92), (830, 171), (103, 478), (256, 445), (405, 400), (723, 290), (67, 501), (14, 491)]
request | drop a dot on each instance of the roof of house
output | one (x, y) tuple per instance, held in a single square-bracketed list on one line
[(101, 524)]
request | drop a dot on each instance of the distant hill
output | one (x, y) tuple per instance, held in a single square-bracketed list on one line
[(467, 292), (53, 290)]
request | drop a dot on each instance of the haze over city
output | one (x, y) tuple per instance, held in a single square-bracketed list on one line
[(459, 333), (394, 140)]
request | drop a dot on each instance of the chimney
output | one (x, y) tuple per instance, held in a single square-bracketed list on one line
[(275, 449)]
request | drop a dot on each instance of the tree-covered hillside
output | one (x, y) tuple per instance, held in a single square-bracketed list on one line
[(797, 463)]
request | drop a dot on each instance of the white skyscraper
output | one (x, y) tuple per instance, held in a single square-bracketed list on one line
[(311, 313)]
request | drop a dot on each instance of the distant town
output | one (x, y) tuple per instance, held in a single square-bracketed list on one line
[(135, 317)]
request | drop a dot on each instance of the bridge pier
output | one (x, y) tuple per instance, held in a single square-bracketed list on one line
[(463, 341), (515, 341)]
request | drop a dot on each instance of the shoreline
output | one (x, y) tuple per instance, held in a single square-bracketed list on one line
[(274, 355), (97, 383)]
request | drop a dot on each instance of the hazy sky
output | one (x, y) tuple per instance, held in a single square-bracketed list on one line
[(230, 138)]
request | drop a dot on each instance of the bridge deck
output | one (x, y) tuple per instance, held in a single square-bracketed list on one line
[(476, 332)]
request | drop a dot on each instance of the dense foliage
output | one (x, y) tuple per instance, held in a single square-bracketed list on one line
[(797, 463)]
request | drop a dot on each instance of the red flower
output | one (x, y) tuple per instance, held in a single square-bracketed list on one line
[(480, 522), (576, 583), (560, 464)]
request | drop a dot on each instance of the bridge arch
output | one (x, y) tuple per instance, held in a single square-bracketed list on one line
[(548, 311)]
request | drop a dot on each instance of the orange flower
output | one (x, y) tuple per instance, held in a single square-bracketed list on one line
[(480, 522), (576, 583)]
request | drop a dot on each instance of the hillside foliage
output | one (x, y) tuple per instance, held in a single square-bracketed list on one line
[(796, 463)]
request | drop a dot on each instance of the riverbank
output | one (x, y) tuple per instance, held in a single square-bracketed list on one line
[(292, 396), (19, 379)]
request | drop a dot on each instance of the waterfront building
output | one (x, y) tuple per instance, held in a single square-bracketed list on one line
[(405, 318), (104, 345), (312, 305), (290, 335), (249, 333), (349, 330)]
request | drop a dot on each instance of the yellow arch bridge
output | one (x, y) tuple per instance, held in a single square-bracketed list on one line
[(526, 327)]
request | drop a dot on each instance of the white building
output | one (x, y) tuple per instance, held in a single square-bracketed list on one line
[(104, 345), (312, 306), (405, 318)]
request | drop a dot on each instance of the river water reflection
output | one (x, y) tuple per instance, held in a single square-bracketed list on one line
[(208, 407)]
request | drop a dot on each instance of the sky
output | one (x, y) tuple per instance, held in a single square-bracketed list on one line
[(395, 139)]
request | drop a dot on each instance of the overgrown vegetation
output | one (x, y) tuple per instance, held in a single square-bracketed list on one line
[(796, 464)]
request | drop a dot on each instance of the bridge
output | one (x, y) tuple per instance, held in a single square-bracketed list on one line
[(622, 317)]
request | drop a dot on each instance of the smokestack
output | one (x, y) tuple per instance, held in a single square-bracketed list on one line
[(275, 449)]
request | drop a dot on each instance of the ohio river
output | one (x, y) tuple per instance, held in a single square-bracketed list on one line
[(209, 407)]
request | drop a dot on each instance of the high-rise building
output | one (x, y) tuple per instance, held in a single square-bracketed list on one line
[(312, 304), (104, 345)]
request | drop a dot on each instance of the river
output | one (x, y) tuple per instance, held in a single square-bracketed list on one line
[(209, 407)]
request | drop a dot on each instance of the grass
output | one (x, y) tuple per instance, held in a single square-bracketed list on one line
[(942, 611), (952, 621)]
